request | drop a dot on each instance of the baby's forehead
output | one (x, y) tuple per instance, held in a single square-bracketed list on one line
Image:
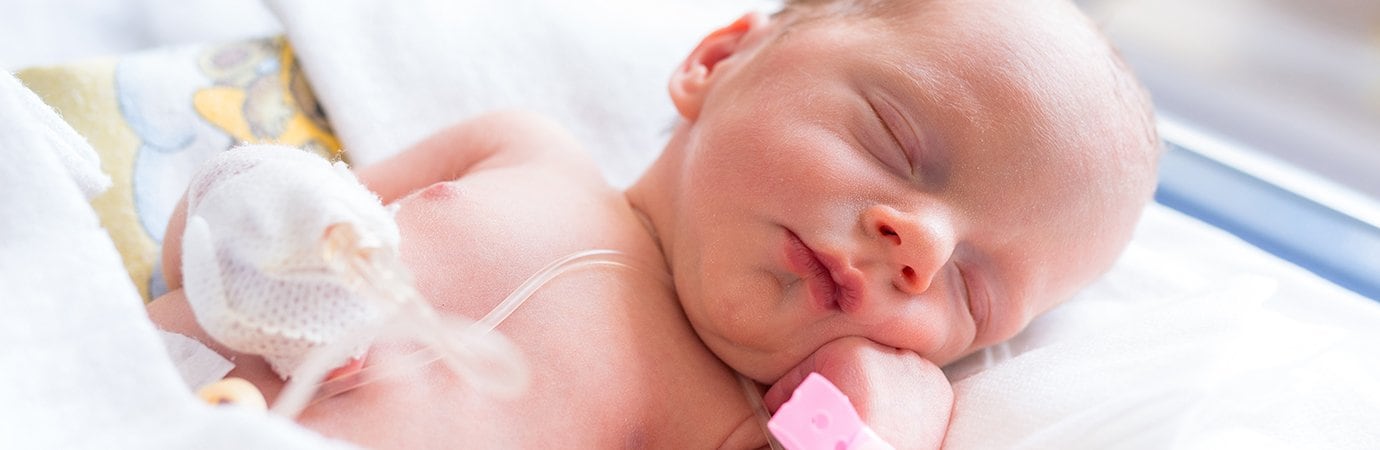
[(1035, 76), (995, 33), (1037, 70), (1045, 57)]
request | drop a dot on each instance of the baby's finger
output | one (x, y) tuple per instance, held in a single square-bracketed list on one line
[(781, 391)]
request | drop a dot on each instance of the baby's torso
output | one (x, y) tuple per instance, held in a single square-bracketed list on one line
[(613, 361)]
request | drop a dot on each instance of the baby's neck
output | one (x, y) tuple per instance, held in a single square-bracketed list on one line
[(647, 206)]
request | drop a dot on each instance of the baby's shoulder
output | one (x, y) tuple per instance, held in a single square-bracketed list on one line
[(533, 140)]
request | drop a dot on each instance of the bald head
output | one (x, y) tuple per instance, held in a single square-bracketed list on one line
[(1044, 62), (986, 157), (1081, 67)]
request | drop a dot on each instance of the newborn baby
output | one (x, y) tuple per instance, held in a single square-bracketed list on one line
[(864, 189)]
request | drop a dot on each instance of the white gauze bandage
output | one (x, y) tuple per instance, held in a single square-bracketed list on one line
[(266, 229)]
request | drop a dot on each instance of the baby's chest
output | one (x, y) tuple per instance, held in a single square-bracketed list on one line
[(609, 350), (639, 371), (471, 243)]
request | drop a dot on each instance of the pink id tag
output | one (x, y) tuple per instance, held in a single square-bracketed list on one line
[(819, 416)]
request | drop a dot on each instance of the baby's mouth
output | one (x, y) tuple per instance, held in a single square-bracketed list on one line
[(819, 273)]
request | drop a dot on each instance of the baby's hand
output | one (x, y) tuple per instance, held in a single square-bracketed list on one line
[(903, 397)]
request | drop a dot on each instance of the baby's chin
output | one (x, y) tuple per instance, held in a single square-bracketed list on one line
[(759, 364)]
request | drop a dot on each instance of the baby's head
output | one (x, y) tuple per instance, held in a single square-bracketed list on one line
[(930, 175)]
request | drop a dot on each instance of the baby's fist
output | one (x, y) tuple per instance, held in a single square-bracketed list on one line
[(903, 397)]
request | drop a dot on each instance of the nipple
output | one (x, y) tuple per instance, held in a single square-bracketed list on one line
[(488, 361), (289, 257)]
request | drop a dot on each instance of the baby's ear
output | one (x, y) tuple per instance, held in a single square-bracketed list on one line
[(691, 80)]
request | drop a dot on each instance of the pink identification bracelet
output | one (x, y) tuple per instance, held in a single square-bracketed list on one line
[(819, 416)]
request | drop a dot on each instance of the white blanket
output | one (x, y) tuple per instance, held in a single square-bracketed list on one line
[(1193, 340), (392, 75), (83, 366)]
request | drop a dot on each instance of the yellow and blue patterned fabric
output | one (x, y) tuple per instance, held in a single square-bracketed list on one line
[(154, 116)]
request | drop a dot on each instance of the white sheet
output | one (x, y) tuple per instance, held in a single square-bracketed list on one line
[(45, 32), (391, 76), (1193, 340), (83, 366)]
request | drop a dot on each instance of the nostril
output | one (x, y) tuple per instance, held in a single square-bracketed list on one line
[(908, 274), (890, 233)]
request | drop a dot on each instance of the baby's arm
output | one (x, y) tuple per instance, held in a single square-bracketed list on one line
[(490, 140), (903, 397), (486, 141)]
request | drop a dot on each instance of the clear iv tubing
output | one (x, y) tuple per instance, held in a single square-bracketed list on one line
[(551, 271), (297, 394)]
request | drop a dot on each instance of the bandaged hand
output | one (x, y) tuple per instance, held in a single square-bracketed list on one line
[(903, 397), (271, 238)]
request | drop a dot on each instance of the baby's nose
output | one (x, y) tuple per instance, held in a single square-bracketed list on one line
[(916, 246)]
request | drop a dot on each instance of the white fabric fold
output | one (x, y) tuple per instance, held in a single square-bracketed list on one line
[(83, 366), (197, 363), (1193, 340), (44, 129), (389, 76)]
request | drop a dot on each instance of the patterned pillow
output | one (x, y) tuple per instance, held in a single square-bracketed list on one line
[(154, 116)]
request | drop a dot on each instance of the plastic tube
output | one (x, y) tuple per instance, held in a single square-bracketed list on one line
[(485, 359)]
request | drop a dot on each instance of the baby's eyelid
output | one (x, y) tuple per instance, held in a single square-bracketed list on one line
[(977, 312), (912, 169), (910, 165), (895, 141)]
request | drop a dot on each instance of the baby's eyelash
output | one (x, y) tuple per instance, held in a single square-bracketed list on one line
[(909, 169), (910, 165)]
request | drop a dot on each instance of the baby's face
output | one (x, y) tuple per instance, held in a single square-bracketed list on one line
[(930, 182)]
